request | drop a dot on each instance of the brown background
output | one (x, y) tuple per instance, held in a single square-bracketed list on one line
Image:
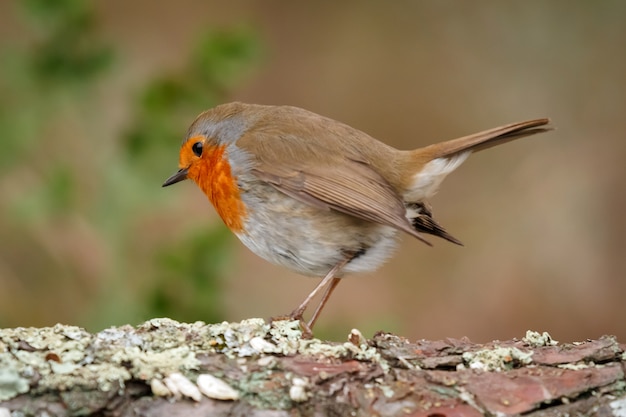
[(542, 219)]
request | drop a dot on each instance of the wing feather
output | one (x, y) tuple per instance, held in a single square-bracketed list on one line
[(352, 187)]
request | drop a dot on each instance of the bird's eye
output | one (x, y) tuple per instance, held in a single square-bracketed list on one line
[(197, 148)]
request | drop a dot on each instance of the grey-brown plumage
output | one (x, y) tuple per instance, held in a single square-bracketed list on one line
[(318, 196)]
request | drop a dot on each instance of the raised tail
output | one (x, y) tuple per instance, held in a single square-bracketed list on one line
[(486, 139), (433, 163)]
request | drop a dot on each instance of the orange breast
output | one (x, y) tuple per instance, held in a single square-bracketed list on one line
[(213, 175)]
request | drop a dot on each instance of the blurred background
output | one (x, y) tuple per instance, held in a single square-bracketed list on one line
[(95, 98)]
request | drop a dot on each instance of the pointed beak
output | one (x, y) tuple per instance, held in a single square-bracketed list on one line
[(179, 176)]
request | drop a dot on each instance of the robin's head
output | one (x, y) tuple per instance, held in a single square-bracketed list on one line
[(190, 154), (208, 136)]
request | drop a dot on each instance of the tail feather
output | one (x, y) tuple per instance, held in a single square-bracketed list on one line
[(433, 163), (486, 139)]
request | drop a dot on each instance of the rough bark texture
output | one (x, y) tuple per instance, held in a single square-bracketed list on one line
[(166, 368)]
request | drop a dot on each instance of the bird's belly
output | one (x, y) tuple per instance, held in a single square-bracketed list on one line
[(309, 240)]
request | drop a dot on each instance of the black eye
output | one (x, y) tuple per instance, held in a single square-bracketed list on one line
[(197, 148)]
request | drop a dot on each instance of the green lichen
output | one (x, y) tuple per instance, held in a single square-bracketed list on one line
[(537, 339), (263, 390), (11, 384), (71, 361), (497, 358)]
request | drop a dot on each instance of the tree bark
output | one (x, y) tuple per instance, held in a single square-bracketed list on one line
[(166, 368)]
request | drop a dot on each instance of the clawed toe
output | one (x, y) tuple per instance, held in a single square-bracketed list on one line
[(307, 333)]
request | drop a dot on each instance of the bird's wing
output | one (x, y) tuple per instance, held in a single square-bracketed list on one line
[(303, 169)]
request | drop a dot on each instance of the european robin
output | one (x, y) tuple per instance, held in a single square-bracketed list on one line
[(315, 195)]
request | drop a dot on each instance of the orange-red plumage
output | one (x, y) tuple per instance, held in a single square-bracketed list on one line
[(213, 175)]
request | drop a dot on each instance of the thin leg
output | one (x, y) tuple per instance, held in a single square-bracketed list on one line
[(325, 297), (329, 280), (299, 312)]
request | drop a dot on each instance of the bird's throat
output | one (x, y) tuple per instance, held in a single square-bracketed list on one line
[(213, 175)]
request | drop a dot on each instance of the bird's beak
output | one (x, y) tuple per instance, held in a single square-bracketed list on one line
[(179, 176)]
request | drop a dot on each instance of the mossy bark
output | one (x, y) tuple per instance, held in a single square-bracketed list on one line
[(164, 368)]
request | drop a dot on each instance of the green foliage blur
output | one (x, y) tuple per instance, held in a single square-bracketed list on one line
[(82, 208)]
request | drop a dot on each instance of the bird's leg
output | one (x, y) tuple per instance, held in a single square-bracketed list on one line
[(298, 313), (325, 297)]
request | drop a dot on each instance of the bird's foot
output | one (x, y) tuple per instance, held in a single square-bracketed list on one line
[(307, 333)]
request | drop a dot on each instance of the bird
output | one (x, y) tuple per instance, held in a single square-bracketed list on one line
[(317, 196)]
